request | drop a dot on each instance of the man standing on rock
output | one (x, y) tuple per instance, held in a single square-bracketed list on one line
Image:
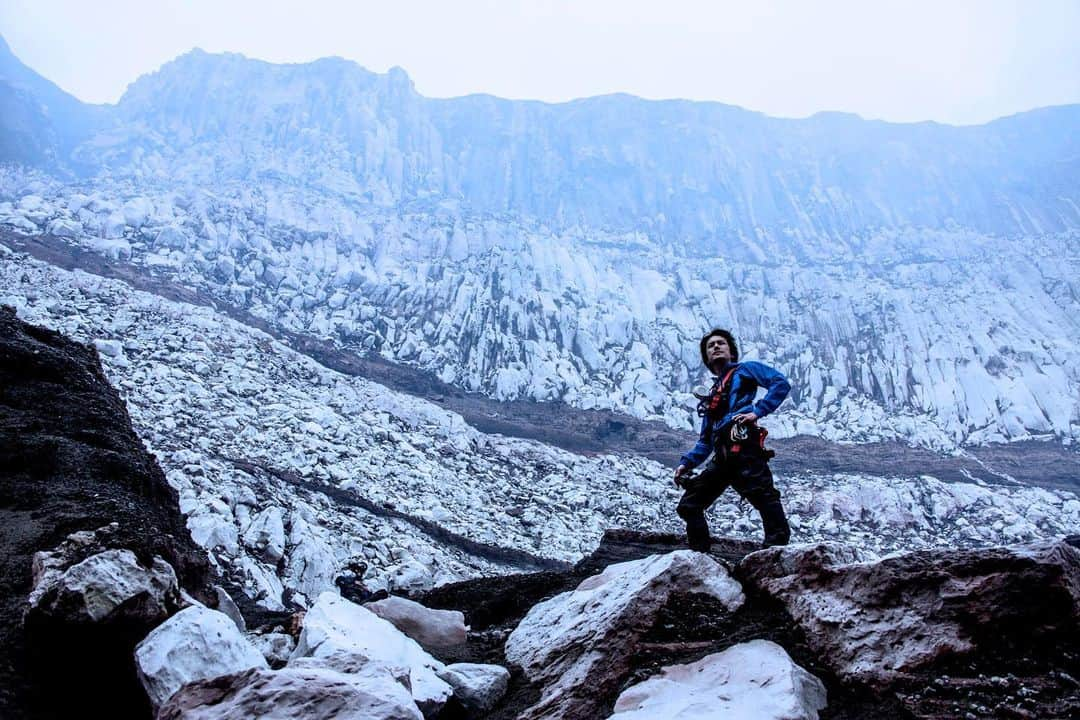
[(730, 432)]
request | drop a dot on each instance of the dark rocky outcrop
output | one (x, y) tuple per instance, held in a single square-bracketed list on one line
[(925, 623), (1016, 607), (71, 462)]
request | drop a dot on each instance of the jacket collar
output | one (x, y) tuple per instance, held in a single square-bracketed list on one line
[(718, 375)]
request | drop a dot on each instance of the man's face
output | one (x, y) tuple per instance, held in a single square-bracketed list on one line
[(717, 350)]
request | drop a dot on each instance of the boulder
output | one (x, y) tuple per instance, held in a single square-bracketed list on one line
[(294, 693), (228, 606), (137, 210), (49, 565), (109, 348), (430, 628), (109, 586), (311, 565), (577, 645), (114, 226), (354, 663), (477, 687), (171, 237), (410, 576), (876, 622), (756, 679), (195, 644), (276, 647), (266, 534), (62, 227), (334, 624)]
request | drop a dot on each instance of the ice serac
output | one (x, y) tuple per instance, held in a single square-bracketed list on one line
[(755, 680), (576, 645), (878, 622)]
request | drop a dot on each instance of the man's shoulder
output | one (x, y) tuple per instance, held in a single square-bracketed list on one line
[(754, 367)]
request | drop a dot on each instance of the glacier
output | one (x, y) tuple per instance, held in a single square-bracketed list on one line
[(917, 282)]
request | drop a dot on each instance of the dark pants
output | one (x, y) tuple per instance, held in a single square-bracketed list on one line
[(749, 474)]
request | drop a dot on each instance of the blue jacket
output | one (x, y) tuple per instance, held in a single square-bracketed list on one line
[(745, 381)]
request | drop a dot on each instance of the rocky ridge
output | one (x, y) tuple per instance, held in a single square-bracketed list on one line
[(824, 604)]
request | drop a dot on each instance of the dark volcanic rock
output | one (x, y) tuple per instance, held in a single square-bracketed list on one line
[(925, 623), (70, 461)]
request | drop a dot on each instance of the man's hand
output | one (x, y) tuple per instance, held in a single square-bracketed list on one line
[(680, 472), (748, 418)]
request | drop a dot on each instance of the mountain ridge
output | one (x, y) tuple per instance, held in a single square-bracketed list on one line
[(740, 171)]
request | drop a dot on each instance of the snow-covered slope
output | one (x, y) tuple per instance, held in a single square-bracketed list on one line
[(204, 392)]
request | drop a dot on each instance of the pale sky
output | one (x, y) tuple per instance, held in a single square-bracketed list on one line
[(953, 61)]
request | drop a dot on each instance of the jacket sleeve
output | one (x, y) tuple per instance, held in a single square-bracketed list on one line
[(776, 385), (700, 451)]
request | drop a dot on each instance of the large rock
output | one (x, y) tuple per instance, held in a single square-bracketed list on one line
[(49, 565), (431, 628), (578, 644), (478, 687), (410, 576), (195, 644), (878, 622), (311, 565), (357, 665), (756, 679), (334, 624), (294, 693), (62, 227), (171, 237), (276, 647), (110, 585), (266, 534)]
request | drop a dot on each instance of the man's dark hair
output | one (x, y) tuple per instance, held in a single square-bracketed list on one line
[(730, 341)]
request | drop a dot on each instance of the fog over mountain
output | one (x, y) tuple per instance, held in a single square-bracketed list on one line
[(917, 282)]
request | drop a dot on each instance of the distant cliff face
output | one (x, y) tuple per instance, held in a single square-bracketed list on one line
[(695, 174)]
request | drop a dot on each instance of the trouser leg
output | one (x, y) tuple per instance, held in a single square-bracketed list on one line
[(698, 494), (754, 481)]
